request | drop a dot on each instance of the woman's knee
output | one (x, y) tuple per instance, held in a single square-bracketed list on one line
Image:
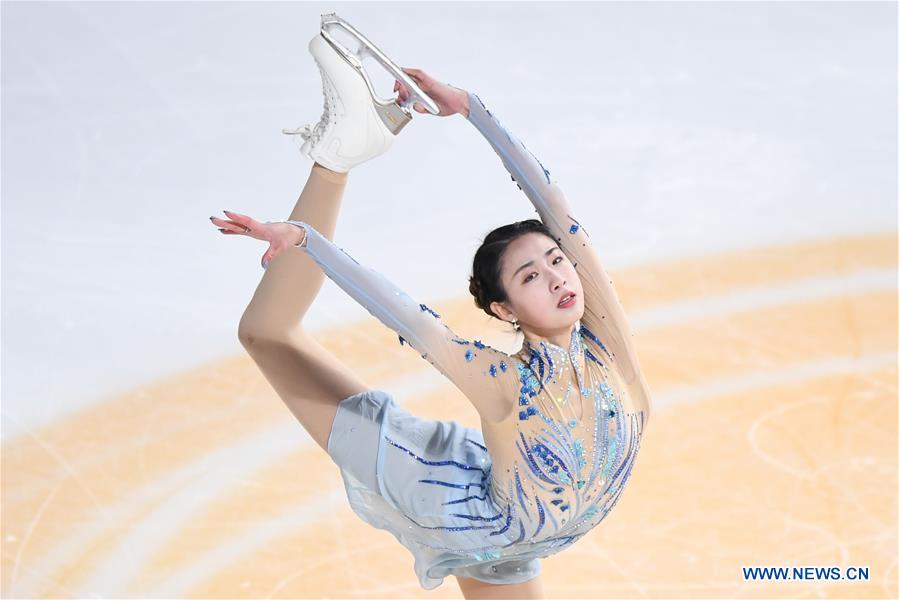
[(254, 329), (250, 334)]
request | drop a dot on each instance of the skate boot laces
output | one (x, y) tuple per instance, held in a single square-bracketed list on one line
[(311, 135)]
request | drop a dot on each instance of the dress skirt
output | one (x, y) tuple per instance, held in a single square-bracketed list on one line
[(427, 483)]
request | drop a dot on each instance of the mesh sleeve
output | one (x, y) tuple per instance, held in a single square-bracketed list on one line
[(485, 375), (603, 314)]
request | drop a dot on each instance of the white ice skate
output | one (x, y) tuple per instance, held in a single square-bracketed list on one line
[(356, 124)]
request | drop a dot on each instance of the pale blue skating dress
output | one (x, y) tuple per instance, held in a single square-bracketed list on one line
[(550, 470)]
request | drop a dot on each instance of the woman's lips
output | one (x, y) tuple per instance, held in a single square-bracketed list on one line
[(570, 302)]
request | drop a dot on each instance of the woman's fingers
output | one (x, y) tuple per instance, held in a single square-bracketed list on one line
[(398, 87), (267, 258), (244, 220), (443, 94), (421, 78), (278, 235), (415, 74), (424, 80), (403, 91), (226, 226), (243, 225), (270, 254)]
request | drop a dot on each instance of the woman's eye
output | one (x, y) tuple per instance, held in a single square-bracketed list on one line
[(528, 278)]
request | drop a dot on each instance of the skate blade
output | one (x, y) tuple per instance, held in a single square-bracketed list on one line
[(367, 48), (391, 114)]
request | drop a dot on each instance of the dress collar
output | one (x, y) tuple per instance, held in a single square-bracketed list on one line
[(548, 359)]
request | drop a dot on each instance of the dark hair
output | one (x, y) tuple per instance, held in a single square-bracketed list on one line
[(485, 283)]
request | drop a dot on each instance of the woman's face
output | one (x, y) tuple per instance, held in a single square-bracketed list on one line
[(536, 274)]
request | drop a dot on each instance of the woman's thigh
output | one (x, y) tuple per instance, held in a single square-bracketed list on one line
[(475, 588), (309, 379)]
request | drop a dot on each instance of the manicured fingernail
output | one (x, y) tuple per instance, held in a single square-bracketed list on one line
[(265, 264)]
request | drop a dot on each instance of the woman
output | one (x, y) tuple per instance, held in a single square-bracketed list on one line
[(562, 419)]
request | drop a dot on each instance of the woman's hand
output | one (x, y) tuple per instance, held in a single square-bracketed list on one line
[(279, 236), (450, 100)]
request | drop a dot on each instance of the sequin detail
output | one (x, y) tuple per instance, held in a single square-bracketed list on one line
[(575, 434), (575, 441), (456, 485), (425, 308), (570, 484)]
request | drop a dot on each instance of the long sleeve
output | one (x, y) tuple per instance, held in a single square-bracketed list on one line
[(486, 376), (603, 314)]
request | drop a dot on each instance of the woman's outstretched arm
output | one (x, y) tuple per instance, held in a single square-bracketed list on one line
[(486, 376), (603, 314)]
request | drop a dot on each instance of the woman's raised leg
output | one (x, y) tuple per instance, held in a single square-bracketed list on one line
[(309, 379)]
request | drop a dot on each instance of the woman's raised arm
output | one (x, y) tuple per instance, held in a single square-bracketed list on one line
[(603, 314)]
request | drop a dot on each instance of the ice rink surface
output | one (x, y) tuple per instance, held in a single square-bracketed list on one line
[(732, 159)]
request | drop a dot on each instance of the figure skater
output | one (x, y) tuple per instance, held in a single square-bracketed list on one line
[(561, 419)]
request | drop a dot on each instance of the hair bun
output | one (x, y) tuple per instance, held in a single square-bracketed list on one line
[(474, 287)]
